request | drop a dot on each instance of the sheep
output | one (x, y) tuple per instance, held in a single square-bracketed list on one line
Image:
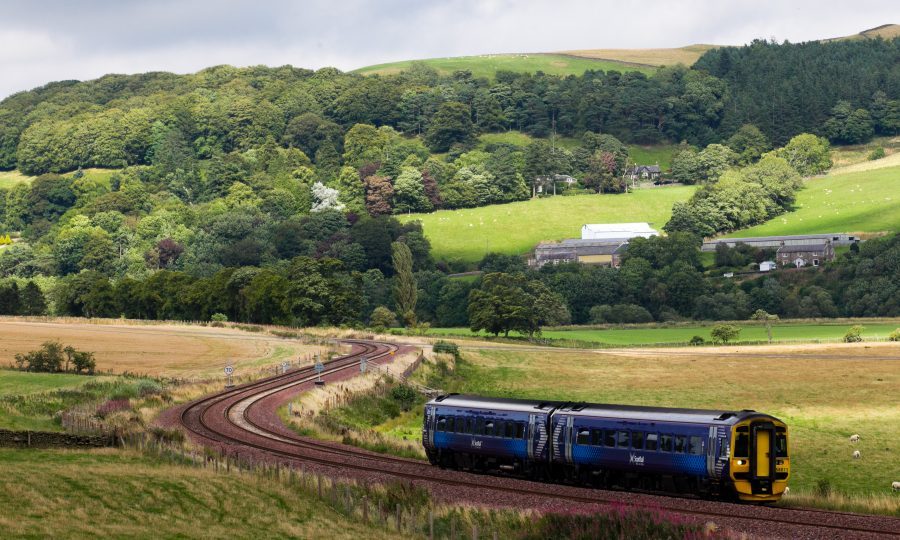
[(895, 486), (856, 454), (854, 438), (787, 489)]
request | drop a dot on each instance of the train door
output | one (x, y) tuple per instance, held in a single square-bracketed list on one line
[(531, 435), (762, 457)]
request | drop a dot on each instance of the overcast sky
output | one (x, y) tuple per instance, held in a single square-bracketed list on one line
[(48, 40)]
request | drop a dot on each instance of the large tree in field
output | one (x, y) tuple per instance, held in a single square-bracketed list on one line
[(507, 302), (452, 123), (405, 288)]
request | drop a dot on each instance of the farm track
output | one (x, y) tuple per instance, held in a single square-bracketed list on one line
[(242, 422)]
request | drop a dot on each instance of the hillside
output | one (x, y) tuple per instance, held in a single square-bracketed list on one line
[(466, 235), (489, 64), (647, 57), (885, 31), (855, 202)]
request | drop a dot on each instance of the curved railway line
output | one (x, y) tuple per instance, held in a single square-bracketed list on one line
[(242, 422)]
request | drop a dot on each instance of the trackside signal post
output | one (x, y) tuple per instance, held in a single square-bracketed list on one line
[(229, 376), (319, 367)]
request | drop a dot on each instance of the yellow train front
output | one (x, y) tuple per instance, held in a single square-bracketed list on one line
[(759, 463)]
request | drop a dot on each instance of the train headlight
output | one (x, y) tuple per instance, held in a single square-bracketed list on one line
[(741, 462)]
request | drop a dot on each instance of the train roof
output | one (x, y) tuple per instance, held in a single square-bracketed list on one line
[(506, 404), (656, 414), (598, 410)]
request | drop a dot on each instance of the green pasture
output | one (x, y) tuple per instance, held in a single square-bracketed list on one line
[(660, 154), (467, 234), (517, 138), (10, 178), (14, 382), (488, 65), (640, 335), (854, 202)]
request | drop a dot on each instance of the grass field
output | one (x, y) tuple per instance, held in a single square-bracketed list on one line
[(652, 335), (23, 383), (467, 234), (517, 138), (824, 396), (653, 57), (855, 202), (653, 155), (843, 157), (171, 350), (10, 178), (488, 65), (121, 494)]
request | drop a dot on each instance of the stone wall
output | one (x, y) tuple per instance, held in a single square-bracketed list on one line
[(46, 439)]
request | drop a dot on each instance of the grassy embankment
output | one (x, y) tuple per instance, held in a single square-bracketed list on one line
[(643, 335), (487, 65), (465, 235), (115, 493)]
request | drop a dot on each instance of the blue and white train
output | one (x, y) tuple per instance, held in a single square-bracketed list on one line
[(723, 454)]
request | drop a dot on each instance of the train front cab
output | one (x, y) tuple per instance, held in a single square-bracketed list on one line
[(760, 464)]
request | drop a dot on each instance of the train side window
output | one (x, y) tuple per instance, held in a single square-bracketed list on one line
[(498, 428), (510, 430), (665, 443), (742, 446), (622, 439), (609, 438), (637, 440), (441, 424), (597, 437), (695, 446), (680, 444), (584, 437), (470, 426), (488, 428), (652, 441), (520, 430), (781, 449), (479, 426)]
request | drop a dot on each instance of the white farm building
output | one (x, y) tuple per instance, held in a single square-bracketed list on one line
[(617, 231)]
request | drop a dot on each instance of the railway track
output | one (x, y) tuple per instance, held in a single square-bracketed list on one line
[(242, 422)]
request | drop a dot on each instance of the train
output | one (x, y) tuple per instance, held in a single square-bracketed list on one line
[(730, 455)]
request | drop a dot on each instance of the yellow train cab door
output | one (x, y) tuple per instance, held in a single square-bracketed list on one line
[(762, 457)]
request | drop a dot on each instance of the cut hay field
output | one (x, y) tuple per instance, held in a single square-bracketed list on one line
[(121, 494), (643, 335), (652, 57), (824, 395), (487, 65), (465, 235), (151, 349), (864, 201)]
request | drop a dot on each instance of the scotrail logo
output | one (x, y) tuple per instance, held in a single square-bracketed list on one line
[(476, 444), (635, 459)]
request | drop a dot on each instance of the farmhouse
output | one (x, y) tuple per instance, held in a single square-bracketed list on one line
[(805, 254), (644, 172), (599, 252), (775, 242), (617, 231)]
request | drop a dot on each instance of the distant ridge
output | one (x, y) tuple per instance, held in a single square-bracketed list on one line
[(885, 31)]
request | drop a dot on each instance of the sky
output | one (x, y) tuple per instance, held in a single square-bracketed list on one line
[(48, 40)]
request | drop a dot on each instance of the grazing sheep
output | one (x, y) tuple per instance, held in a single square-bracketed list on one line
[(854, 438), (895, 486), (787, 489), (856, 454)]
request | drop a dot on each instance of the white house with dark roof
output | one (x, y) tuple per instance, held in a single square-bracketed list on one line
[(805, 254)]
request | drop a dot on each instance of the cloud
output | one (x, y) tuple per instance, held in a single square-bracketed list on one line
[(43, 41)]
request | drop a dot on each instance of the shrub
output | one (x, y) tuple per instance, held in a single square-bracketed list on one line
[(823, 487), (219, 318), (878, 153), (895, 335), (382, 318), (697, 340), (404, 395), (620, 313), (170, 436), (723, 333), (51, 356), (445, 347), (853, 335)]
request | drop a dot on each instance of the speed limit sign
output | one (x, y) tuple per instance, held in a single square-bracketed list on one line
[(229, 370)]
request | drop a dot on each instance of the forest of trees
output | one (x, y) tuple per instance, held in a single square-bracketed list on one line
[(266, 194)]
